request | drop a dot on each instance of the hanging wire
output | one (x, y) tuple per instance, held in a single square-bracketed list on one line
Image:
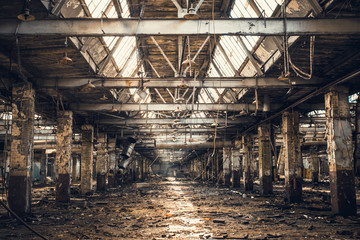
[(297, 70)]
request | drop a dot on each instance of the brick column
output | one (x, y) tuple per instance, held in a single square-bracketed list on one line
[(292, 156), (63, 156), (340, 152), (247, 176), (101, 165), (87, 137), (22, 135), (265, 161)]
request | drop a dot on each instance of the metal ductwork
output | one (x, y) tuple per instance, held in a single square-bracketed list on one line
[(129, 148), (125, 163), (126, 153)]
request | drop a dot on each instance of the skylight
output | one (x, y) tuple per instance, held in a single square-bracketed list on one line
[(125, 51), (229, 54)]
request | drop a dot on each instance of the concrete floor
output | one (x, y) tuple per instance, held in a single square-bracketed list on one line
[(183, 209)]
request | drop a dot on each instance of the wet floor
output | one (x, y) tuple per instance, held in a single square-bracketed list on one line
[(183, 209)]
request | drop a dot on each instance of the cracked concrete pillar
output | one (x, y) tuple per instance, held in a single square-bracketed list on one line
[(292, 156), (22, 135), (101, 165), (340, 152), (87, 138), (227, 165), (63, 156), (235, 166), (112, 162), (265, 159), (247, 175)]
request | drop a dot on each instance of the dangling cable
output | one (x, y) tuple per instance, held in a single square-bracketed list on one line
[(286, 47), (297, 70)]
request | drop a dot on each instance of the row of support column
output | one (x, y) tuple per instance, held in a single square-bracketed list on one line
[(22, 135), (237, 161)]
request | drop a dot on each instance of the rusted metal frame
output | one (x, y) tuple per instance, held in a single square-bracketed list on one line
[(118, 8), (209, 95), (250, 56), (316, 6), (108, 8), (161, 106), (110, 55), (153, 68), (177, 5), (164, 55), (180, 52), (197, 53), (171, 95), (185, 92), (149, 27), (217, 68), (198, 5), (161, 97), (222, 50), (232, 94), (127, 62), (86, 55), (57, 8)]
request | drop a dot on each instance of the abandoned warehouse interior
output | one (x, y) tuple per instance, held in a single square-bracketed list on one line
[(183, 119)]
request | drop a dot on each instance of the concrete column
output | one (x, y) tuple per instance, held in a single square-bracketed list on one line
[(292, 156), (357, 140), (43, 165), (142, 169), (75, 167), (203, 159), (340, 152), (247, 176), (265, 161), (315, 170), (22, 135), (101, 165), (112, 162), (63, 156), (213, 167), (226, 166), (235, 167), (87, 137)]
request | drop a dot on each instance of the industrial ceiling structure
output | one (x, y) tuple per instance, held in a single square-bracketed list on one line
[(180, 77)]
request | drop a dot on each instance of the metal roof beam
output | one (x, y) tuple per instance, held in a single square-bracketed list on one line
[(169, 121), (153, 27), (160, 107), (215, 82)]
